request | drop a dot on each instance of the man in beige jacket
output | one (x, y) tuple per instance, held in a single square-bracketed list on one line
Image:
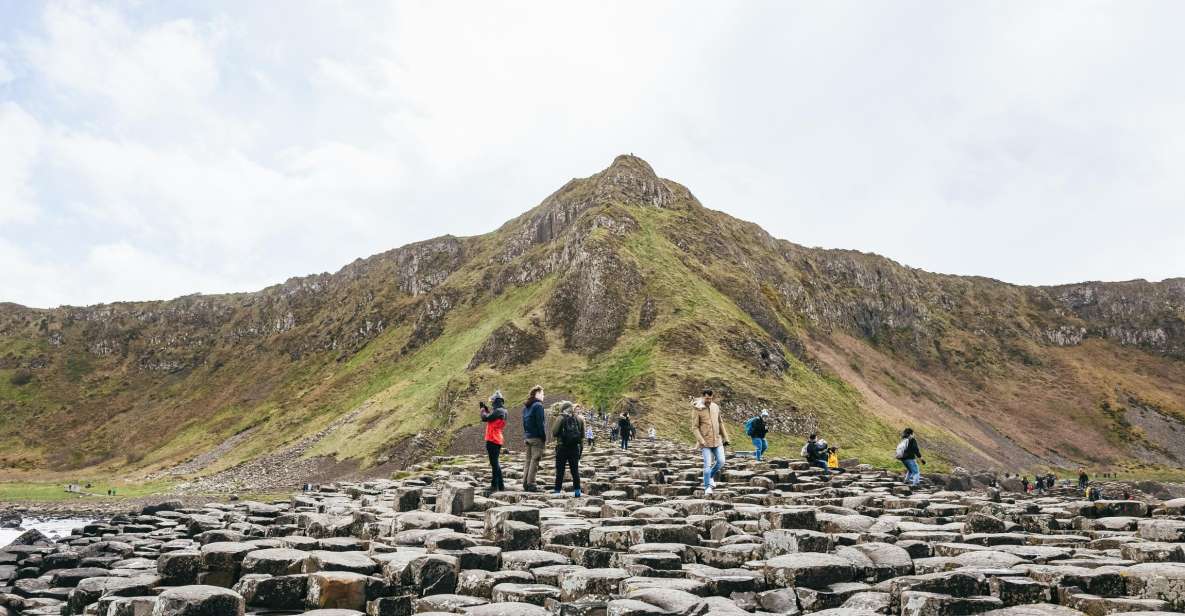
[(710, 435)]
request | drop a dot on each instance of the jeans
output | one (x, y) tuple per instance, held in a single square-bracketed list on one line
[(912, 474), (494, 451), (820, 464), (759, 447), (531, 466), (625, 442), (711, 468), (569, 457)]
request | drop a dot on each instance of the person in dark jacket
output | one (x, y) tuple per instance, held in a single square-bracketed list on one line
[(535, 431), (625, 429), (757, 432), (815, 451), (910, 457), (568, 430), (495, 421), (1083, 479)]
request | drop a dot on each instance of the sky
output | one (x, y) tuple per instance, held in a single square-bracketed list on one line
[(152, 150)]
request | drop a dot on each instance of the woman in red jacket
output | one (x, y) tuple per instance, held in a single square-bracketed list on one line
[(495, 420)]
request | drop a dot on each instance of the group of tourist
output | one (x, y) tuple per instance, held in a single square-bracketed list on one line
[(572, 428)]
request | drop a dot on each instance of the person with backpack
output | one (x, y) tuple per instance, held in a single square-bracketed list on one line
[(815, 453), (910, 454), (756, 430), (625, 430), (707, 426), (568, 431), (495, 421), (613, 434), (535, 431)]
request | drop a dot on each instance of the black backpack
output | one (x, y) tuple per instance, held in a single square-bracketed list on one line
[(570, 433)]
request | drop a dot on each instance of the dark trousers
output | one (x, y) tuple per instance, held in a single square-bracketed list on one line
[(570, 457), (625, 442), (494, 450)]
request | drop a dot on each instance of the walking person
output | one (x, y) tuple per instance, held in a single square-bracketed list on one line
[(1083, 479), (910, 454), (589, 434), (833, 459), (625, 430), (653, 434), (815, 452), (756, 429), (568, 430), (710, 435), (495, 421), (535, 431)]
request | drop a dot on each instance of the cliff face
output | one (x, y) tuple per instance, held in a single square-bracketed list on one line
[(622, 288)]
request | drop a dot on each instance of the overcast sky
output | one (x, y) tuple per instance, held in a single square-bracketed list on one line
[(150, 150)]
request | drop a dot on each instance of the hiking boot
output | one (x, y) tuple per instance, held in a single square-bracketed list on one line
[(707, 491), (577, 493)]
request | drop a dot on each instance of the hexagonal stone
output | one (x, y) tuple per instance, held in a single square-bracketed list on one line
[(526, 560), (274, 561), (447, 603), (198, 601), (356, 562), (506, 609), (535, 594), (809, 569), (591, 584), (285, 592), (336, 589)]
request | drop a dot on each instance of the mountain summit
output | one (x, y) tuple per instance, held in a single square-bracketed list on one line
[(620, 290)]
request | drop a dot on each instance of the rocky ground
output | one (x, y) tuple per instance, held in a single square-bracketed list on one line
[(773, 538)]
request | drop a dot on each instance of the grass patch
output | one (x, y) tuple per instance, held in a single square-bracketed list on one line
[(605, 382), (44, 492)]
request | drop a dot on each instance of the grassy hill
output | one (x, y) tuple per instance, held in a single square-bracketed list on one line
[(620, 289)]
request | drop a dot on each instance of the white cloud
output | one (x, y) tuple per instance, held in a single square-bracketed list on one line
[(22, 140), (217, 148)]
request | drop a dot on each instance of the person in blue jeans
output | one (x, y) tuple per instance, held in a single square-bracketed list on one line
[(710, 436), (757, 432), (910, 454)]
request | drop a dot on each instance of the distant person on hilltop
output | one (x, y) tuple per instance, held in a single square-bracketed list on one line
[(535, 431), (910, 454), (710, 435), (495, 421)]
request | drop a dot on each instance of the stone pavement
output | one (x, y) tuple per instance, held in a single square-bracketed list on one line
[(774, 538)]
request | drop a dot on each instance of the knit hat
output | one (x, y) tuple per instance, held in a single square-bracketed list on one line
[(497, 395)]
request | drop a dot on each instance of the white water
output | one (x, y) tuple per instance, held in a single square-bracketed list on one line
[(52, 528)]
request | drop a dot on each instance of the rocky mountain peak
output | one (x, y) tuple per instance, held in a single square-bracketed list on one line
[(630, 179)]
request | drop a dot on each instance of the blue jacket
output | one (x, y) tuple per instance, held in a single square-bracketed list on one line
[(535, 421)]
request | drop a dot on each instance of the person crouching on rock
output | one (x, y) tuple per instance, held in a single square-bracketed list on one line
[(568, 431), (495, 420), (535, 431), (710, 435), (815, 452)]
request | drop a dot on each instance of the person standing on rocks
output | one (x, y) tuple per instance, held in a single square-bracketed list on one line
[(625, 429), (568, 431), (1083, 479), (757, 430), (590, 435), (495, 420), (710, 435), (535, 431), (910, 454)]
